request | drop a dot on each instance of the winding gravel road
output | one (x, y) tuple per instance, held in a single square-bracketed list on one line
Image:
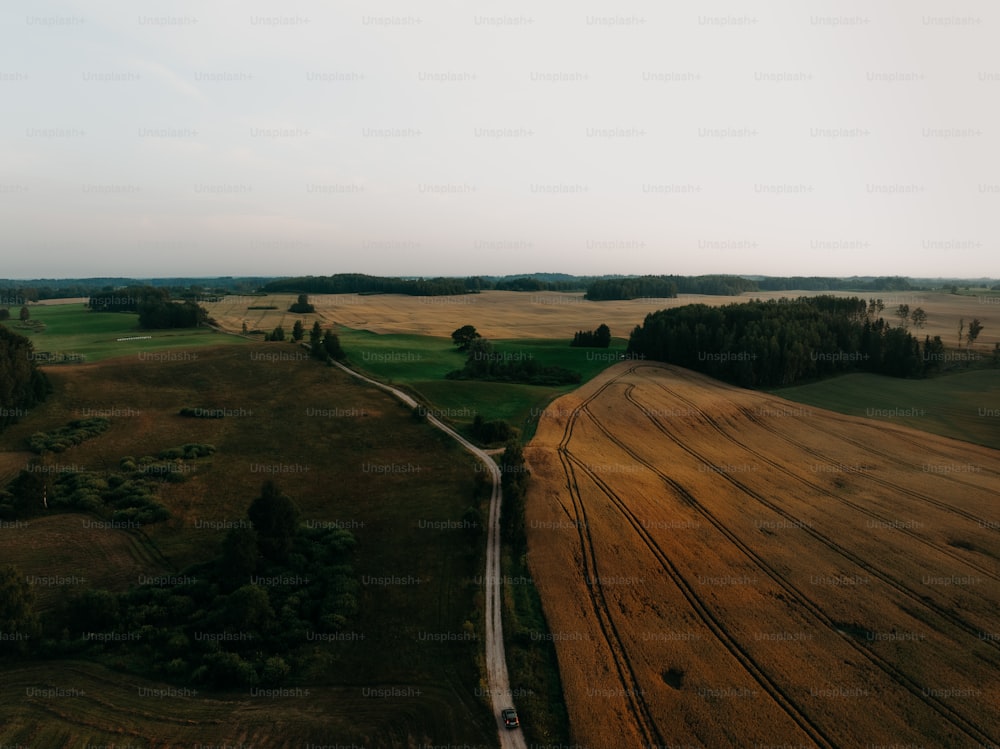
[(496, 659)]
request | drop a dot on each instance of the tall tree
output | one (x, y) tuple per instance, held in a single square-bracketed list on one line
[(975, 327), (25, 313), (298, 331), (316, 340), (903, 313), (919, 317), (276, 519), (331, 345)]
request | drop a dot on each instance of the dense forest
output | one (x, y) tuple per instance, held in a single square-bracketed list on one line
[(784, 341), (667, 286), (22, 384), (600, 338)]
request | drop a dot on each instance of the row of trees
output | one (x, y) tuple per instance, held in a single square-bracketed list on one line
[(780, 342), (600, 338), (360, 283), (24, 314), (154, 306), (22, 384), (667, 286)]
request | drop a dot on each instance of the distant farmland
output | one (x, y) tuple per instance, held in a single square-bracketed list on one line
[(724, 568), (72, 329)]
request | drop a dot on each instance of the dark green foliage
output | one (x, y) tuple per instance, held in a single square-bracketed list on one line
[(600, 338), (485, 363), (779, 342), (153, 304), (72, 434), (187, 451), (316, 340), (4, 314), (22, 384), (263, 306), (275, 519), (514, 478), (298, 331), (492, 431), (464, 336), (302, 306), (239, 556), (667, 286), (278, 334), (25, 314), (17, 613), (235, 621), (331, 346)]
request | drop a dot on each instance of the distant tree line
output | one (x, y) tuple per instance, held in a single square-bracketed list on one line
[(154, 306), (784, 341), (360, 283), (600, 338), (22, 384), (667, 286), (820, 283)]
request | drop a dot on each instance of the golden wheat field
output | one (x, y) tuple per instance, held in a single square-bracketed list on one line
[(723, 568), (547, 314)]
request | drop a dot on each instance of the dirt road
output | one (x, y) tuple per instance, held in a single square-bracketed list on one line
[(496, 659)]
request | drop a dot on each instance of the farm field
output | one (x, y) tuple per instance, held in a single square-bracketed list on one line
[(514, 314), (407, 674), (72, 329), (725, 568)]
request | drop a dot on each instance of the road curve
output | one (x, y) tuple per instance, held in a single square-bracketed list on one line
[(496, 659)]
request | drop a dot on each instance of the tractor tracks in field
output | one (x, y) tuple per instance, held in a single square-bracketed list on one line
[(958, 720), (638, 706)]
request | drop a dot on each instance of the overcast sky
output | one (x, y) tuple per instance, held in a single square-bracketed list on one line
[(402, 138)]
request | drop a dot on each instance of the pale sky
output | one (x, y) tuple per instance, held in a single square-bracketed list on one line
[(445, 138)]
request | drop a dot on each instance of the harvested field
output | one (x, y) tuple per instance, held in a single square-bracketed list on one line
[(723, 568), (549, 314)]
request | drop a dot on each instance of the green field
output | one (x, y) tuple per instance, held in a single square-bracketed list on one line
[(419, 364), (951, 405), (72, 329)]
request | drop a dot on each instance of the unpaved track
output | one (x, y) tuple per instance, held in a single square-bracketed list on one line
[(496, 659)]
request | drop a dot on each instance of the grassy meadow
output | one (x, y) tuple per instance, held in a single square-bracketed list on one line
[(349, 456), (954, 405), (73, 329)]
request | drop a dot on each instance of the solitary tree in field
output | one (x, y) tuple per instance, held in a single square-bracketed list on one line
[(302, 306), (975, 327), (244, 327), (464, 336), (919, 317), (25, 313), (298, 331), (961, 327)]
